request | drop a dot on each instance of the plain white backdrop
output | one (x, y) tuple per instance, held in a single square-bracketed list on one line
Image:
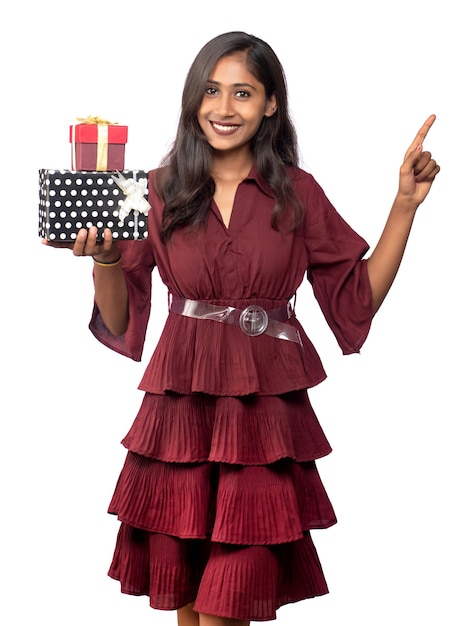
[(363, 77)]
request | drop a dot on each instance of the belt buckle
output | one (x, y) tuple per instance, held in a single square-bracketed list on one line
[(253, 321)]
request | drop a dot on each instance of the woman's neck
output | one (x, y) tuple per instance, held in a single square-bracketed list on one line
[(231, 167)]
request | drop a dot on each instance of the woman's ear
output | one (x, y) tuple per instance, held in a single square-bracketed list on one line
[(271, 106)]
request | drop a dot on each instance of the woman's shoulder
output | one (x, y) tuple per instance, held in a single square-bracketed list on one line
[(154, 194), (304, 183), (299, 175), (156, 174)]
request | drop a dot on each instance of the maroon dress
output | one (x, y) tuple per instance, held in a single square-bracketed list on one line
[(219, 489)]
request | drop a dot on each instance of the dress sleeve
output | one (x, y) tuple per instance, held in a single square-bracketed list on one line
[(337, 271), (137, 264)]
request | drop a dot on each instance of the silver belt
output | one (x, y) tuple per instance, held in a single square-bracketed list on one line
[(253, 320)]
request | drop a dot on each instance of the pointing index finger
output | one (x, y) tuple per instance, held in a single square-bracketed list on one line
[(422, 134)]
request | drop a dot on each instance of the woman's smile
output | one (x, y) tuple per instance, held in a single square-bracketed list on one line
[(224, 129)]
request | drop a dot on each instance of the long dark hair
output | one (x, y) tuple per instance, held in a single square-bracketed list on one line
[(185, 183)]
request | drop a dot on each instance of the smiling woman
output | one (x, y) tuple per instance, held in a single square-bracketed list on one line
[(220, 491), (230, 115), (187, 186)]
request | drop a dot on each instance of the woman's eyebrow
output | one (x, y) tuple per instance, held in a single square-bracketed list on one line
[(247, 85)]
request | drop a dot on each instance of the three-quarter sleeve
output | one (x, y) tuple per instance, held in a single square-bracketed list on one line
[(337, 271), (137, 264)]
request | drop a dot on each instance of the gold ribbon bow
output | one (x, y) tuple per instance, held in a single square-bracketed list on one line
[(94, 120)]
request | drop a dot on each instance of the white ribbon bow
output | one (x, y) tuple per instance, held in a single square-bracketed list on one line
[(134, 191)]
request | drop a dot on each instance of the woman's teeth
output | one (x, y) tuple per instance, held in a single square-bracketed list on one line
[(224, 128)]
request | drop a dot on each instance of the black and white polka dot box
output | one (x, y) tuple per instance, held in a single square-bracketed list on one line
[(70, 200)]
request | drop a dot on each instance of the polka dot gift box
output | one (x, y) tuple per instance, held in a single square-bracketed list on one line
[(70, 200)]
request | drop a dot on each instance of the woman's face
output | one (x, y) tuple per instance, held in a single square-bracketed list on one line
[(233, 105)]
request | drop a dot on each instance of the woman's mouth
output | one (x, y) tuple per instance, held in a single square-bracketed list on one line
[(224, 129)]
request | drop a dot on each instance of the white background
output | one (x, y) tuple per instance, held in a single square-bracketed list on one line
[(362, 77)]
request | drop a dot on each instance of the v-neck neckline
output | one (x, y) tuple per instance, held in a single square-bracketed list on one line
[(233, 208), (217, 212)]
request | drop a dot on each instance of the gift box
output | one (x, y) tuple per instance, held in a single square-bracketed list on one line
[(70, 200), (97, 145)]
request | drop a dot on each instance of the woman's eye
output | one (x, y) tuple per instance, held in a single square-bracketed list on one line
[(211, 91), (242, 94)]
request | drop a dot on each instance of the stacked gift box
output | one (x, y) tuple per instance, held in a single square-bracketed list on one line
[(97, 190), (97, 145)]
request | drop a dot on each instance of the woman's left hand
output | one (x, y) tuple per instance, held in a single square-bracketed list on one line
[(419, 169)]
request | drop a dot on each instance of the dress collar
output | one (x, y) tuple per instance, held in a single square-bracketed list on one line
[(254, 175)]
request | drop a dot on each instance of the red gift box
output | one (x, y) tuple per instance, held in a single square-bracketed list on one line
[(97, 146)]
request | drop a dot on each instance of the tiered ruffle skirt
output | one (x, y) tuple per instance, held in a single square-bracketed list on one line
[(217, 498)]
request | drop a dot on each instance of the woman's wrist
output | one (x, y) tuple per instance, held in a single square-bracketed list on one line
[(405, 204), (111, 257), (101, 263)]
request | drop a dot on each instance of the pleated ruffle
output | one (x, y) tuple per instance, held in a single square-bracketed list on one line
[(235, 504), (261, 579), (242, 582), (217, 498), (205, 356), (270, 504), (252, 430), (167, 569)]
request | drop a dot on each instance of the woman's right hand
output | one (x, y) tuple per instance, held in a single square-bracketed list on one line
[(87, 244)]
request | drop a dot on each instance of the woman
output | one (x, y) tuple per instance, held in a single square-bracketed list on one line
[(219, 490)]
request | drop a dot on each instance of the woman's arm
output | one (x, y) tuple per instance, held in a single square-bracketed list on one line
[(416, 176), (110, 288)]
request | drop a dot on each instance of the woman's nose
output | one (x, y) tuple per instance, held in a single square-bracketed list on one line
[(225, 105)]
